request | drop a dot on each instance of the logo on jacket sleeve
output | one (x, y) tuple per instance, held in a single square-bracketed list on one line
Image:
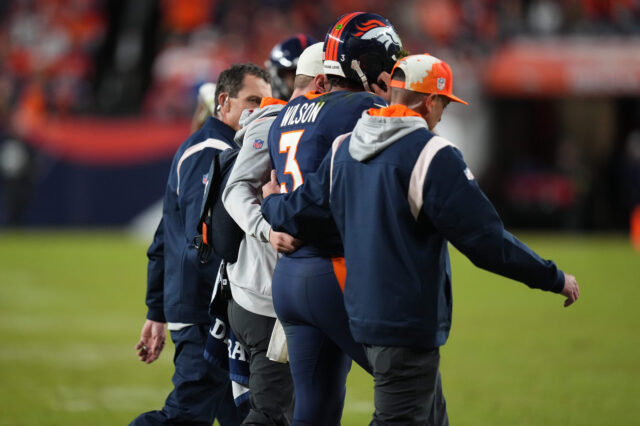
[(257, 144), (205, 179)]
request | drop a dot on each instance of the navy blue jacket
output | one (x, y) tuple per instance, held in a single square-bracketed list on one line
[(396, 206), (179, 287)]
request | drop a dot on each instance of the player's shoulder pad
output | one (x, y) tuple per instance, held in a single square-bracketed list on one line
[(371, 100)]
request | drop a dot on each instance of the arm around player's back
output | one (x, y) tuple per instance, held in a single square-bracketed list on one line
[(298, 213), (281, 241), (241, 193), (458, 208)]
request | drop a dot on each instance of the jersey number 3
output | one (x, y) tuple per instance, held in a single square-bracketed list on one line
[(289, 144)]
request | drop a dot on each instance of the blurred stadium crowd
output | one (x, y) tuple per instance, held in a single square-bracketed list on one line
[(147, 58), (62, 56)]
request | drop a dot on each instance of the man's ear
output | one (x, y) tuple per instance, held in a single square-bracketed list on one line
[(429, 101), (382, 86), (222, 101), (322, 83)]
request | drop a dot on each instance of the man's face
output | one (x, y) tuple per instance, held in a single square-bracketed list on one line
[(437, 108), (248, 97)]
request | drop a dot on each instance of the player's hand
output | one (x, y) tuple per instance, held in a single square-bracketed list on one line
[(283, 242), (271, 187), (152, 339), (382, 87), (570, 290)]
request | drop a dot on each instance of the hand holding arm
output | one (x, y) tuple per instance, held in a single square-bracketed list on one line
[(152, 339), (271, 187), (283, 242), (305, 212)]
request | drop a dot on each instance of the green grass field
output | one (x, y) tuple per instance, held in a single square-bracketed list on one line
[(72, 304)]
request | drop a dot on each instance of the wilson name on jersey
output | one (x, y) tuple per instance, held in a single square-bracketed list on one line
[(304, 130)]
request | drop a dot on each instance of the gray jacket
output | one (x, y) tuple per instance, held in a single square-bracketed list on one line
[(250, 276)]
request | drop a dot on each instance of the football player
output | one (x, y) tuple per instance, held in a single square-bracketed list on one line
[(282, 64), (359, 52)]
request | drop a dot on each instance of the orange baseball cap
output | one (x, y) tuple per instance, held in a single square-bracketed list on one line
[(425, 74)]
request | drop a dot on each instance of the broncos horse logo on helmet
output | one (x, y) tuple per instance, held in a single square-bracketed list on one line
[(359, 46), (374, 29)]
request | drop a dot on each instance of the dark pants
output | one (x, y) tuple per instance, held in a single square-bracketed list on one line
[(310, 305), (270, 384), (407, 386), (201, 391)]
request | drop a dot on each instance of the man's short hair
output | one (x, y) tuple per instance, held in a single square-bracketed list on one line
[(402, 95), (301, 81), (230, 80), (345, 83)]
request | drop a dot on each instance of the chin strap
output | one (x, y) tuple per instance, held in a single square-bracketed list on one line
[(355, 65)]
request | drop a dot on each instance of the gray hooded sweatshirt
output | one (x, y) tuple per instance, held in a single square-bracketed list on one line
[(250, 276), (373, 134)]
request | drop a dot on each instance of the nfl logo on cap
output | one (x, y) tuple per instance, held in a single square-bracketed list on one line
[(425, 74)]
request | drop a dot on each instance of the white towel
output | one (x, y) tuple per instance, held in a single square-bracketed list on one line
[(277, 350)]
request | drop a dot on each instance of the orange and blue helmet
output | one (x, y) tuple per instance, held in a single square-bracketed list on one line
[(359, 46), (284, 59)]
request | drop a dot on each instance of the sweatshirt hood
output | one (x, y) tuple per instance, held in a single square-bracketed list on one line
[(250, 115), (377, 129)]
